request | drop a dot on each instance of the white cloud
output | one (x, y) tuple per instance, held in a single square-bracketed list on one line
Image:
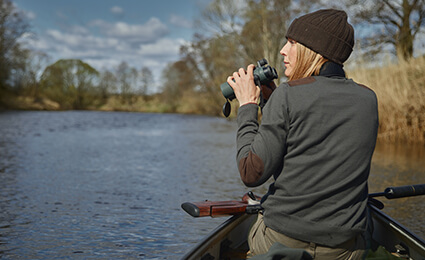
[(76, 29), (117, 10), (180, 21), (163, 47), (30, 15), (104, 45), (139, 33), (108, 50), (81, 45)]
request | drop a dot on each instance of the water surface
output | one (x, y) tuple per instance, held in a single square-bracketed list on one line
[(81, 184)]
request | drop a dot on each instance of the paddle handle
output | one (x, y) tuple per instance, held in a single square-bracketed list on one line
[(404, 191)]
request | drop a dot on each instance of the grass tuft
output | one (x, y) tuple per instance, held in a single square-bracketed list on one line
[(400, 89)]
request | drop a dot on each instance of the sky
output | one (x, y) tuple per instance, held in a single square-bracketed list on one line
[(104, 33)]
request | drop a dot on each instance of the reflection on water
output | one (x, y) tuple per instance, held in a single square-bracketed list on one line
[(109, 185), (402, 157), (398, 165)]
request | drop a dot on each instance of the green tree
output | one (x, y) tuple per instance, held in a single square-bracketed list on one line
[(12, 55), (70, 83)]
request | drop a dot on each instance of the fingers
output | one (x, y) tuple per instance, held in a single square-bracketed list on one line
[(250, 69), (231, 81), (241, 73), (248, 72)]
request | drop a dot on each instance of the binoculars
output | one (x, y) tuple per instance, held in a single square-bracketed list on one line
[(263, 75)]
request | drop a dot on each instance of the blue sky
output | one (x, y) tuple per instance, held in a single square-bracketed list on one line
[(104, 33)]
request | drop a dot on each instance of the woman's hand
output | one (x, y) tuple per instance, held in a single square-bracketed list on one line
[(244, 87)]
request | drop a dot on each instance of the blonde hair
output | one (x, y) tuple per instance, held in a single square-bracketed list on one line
[(308, 63)]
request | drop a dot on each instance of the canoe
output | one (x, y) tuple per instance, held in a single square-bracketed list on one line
[(229, 240)]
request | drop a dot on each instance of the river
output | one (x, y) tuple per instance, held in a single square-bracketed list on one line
[(83, 184)]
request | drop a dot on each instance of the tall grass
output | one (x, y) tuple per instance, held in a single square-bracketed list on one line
[(400, 89)]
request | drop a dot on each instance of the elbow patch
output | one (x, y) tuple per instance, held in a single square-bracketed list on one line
[(251, 168)]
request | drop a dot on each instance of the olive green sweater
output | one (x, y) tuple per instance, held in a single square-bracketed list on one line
[(316, 139)]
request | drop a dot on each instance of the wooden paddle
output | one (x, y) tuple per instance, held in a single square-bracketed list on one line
[(250, 203), (223, 208)]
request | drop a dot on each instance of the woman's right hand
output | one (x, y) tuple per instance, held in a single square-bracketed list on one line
[(243, 85)]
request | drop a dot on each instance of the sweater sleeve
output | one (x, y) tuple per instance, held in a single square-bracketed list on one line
[(261, 148)]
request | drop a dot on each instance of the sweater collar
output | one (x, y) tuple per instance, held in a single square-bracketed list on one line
[(332, 69)]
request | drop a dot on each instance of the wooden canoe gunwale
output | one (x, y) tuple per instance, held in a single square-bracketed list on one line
[(216, 236)]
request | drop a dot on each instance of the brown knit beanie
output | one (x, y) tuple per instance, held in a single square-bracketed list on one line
[(326, 32)]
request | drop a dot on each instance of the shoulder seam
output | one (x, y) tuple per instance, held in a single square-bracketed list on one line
[(364, 86), (302, 81)]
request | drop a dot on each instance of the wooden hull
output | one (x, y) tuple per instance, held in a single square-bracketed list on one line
[(228, 240)]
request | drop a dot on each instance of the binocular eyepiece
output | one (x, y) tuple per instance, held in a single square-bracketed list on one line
[(263, 75)]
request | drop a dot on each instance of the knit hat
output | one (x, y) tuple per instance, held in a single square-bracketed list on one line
[(326, 32)]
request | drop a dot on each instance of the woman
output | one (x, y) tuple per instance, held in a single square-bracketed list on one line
[(316, 139)]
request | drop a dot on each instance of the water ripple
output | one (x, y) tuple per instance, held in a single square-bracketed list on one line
[(102, 185)]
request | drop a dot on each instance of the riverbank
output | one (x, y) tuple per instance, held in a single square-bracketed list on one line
[(11, 101), (157, 103), (400, 89)]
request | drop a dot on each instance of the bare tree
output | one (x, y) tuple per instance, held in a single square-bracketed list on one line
[(236, 33), (171, 90), (107, 84), (264, 31), (35, 63), (147, 79), (124, 81), (221, 17), (397, 23)]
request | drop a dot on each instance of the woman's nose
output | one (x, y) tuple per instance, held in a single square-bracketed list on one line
[(282, 51)]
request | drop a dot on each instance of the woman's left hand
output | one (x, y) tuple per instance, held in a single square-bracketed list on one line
[(244, 87)]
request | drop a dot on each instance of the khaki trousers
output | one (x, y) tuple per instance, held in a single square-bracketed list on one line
[(261, 238)]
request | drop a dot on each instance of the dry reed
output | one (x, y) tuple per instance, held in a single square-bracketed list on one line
[(400, 89)]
